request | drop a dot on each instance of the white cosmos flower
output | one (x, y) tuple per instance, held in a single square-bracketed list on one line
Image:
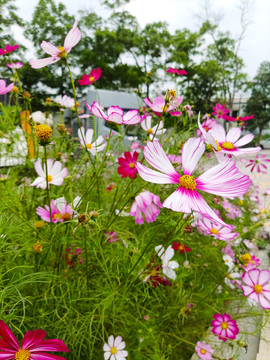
[(167, 265), (86, 139), (228, 261), (65, 101), (40, 118), (114, 349), (151, 131), (56, 174)]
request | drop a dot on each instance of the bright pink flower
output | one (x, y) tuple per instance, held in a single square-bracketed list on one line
[(204, 351), (223, 179), (145, 203), (257, 286), (159, 105), (72, 257), (56, 174), (116, 114), (249, 261), (220, 110), (9, 49), (90, 79), (87, 140), (259, 163), (224, 327), (207, 125), (182, 248), (111, 237), (16, 65), (61, 211), (238, 118), (215, 229), (128, 165), (176, 71), (5, 89), (60, 52), (32, 347)]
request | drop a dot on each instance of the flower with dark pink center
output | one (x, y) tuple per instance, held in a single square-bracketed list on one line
[(128, 165), (259, 163), (224, 327), (220, 111)]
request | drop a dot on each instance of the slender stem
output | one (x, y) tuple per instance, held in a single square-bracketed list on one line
[(47, 189), (86, 262)]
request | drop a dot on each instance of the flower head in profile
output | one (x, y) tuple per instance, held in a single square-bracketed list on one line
[(223, 179), (33, 345), (215, 229), (8, 49), (146, 203), (204, 350), (5, 89), (224, 327), (65, 101), (257, 286), (168, 265), (207, 126), (114, 349), (155, 130), (60, 52), (127, 164), (220, 111), (116, 114), (87, 140), (90, 79), (238, 118), (16, 65), (43, 134), (159, 105), (56, 174)]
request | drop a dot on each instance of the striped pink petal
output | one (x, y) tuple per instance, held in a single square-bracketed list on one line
[(193, 150)]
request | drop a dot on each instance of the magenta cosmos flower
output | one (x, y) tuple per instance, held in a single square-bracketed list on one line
[(145, 203), (238, 118), (224, 327), (60, 52), (216, 230), (87, 140), (220, 111), (259, 163), (223, 179), (90, 79), (176, 71), (56, 174), (257, 286), (33, 347), (16, 65), (116, 114), (9, 49), (204, 350), (159, 105), (5, 89), (111, 236), (128, 165)]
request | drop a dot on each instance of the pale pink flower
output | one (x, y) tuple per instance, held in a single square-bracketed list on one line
[(86, 140), (145, 203), (224, 327), (249, 244), (151, 131), (232, 211), (61, 211), (175, 159), (65, 101), (159, 105), (257, 286), (5, 89), (16, 65), (204, 350), (188, 109), (116, 114), (223, 179), (60, 52), (56, 174), (215, 229), (227, 250), (114, 349)]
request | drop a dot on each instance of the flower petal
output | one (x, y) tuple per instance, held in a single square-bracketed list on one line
[(73, 37), (49, 48), (233, 135), (40, 63), (8, 336), (153, 176), (191, 154), (244, 140)]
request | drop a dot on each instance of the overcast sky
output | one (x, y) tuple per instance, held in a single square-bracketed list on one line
[(180, 14)]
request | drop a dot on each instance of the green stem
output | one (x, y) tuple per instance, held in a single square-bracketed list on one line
[(47, 189), (86, 263)]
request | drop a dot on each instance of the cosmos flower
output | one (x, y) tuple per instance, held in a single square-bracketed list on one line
[(56, 174), (223, 179), (257, 286), (32, 347), (114, 349), (220, 111), (60, 52), (5, 89), (9, 49), (168, 266), (249, 261), (216, 230), (159, 105), (207, 126), (61, 211), (145, 203), (86, 140), (111, 236), (42, 118), (238, 118), (259, 163), (151, 131), (189, 111), (16, 65), (204, 350), (181, 248), (224, 327), (116, 114), (228, 260), (65, 101), (90, 79), (128, 164), (176, 71)]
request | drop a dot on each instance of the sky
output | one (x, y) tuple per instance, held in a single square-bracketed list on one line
[(180, 14)]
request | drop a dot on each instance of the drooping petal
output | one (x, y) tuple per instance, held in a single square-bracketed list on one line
[(40, 63), (49, 48), (96, 110), (73, 37), (191, 154)]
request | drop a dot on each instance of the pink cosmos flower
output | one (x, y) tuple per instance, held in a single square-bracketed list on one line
[(257, 286), (5, 89), (224, 327), (86, 140), (238, 118), (220, 111), (56, 174), (33, 347), (65, 101), (151, 131), (145, 203), (204, 351), (111, 237), (223, 179), (159, 105), (60, 52), (16, 65), (9, 49), (249, 261), (90, 79), (61, 211), (207, 126), (128, 165), (175, 159), (232, 211), (260, 163), (116, 114), (135, 146), (72, 257), (227, 250), (215, 229), (176, 71), (181, 248)]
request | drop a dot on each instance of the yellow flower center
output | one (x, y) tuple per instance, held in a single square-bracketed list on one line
[(89, 146), (153, 272), (63, 53), (15, 89), (164, 108), (258, 288), (188, 182), (224, 325), (43, 133), (48, 178), (206, 128), (181, 247), (150, 131), (37, 247), (214, 231), (238, 117), (227, 145), (113, 350), (58, 216), (203, 351), (246, 258), (218, 146), (39, 224), (22, 354), (91, 78), (132, 165)]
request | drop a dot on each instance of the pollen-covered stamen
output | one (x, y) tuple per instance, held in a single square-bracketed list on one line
[(224, 325), (91, 78), (66, 217), (89, 146), (258, 288), (227, 145), (131, 165), (218, 146), (63, 53), (113, 350), (58, 216), (150, 131), (214, 231), (203, 351), (246, 258), (22, 354), (188, 182), (48, 178)]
